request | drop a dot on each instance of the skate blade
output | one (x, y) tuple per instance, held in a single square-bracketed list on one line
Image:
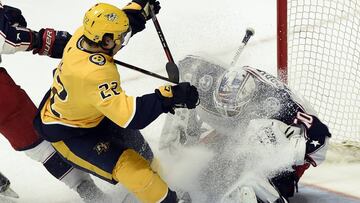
[(9, 193)]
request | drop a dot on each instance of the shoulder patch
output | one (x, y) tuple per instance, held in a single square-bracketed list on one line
[(98, 59)]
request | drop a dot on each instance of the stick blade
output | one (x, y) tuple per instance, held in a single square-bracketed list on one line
[(9, 193), (173, 72)]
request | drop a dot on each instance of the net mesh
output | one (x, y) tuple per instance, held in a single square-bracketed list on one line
[(324, 62)]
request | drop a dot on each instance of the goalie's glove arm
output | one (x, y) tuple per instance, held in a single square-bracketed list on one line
[(138, 13)]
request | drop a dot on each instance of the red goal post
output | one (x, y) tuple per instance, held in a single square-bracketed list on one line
[(282, 39), (318, 45)]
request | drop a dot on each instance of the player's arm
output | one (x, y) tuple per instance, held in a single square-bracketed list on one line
[(309, 138), (317, 137), (50, 42), (138, 13), (136, 112), (14, 36)]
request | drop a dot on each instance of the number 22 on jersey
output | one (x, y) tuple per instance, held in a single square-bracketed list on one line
[(57, 90)]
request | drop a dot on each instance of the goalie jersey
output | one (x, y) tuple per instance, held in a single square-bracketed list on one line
[(272, 100)]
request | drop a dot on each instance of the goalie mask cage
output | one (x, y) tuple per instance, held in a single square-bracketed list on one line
[(319, 57)]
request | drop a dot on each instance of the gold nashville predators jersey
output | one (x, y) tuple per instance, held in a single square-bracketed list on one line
[(86, 87)]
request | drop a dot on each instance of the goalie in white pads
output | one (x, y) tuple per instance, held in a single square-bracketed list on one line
[(241, 98)]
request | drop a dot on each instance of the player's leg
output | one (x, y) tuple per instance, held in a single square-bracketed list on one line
[(101, 157), (133, 139), (16, 114), (128, 139), (75, 179)]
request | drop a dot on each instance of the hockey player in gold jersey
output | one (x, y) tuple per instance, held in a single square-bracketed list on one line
[(88, 117)]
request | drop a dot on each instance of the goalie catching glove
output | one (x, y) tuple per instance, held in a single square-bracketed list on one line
[(182, 95)]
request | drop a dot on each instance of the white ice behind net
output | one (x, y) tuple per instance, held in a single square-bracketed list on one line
[(324, 63)]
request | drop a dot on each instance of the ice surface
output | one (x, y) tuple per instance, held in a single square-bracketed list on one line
[(213, 27)]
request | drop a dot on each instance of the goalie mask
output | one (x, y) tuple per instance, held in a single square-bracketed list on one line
[(234, 91)]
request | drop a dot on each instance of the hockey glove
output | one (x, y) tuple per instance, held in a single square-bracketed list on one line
[(144, 7), (14, 16), (138, 13), (50, 42), (316, 131), (182, 95)]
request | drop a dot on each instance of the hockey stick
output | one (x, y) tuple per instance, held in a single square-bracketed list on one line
[(248, 34), (171, 68), (146, 72)]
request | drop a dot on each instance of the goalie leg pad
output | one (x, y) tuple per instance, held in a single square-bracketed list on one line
[(135, 173)]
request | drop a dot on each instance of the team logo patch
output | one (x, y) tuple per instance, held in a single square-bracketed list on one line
[(98, 59), (206, 83), (101, 147), (111, 17)]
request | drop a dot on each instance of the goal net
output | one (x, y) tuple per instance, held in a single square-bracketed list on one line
[(319, 57)]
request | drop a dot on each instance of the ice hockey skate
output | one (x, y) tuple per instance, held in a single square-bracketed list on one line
[(5, 189)]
